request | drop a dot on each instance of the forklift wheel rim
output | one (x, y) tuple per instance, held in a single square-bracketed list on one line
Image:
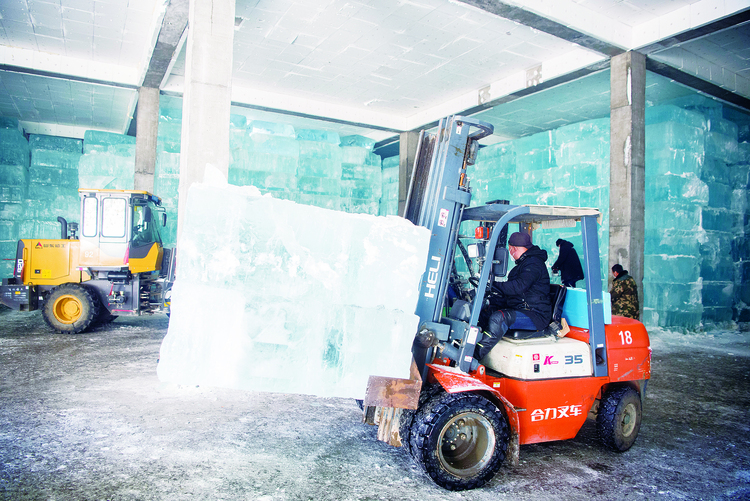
[(629, 419), (466, 444), (67, 309)]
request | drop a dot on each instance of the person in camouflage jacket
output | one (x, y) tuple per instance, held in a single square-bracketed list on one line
[(624, 294)]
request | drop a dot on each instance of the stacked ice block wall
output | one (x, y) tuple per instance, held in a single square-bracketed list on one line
[(108, 161), (167, 168), (14, 181), (53, 186), (361, 176), (266, 156), (319, 169), (740, 182), (696, 192), (389, 197), (566, 166)]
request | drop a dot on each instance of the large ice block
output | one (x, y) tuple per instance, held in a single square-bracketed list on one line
[(276, 296)]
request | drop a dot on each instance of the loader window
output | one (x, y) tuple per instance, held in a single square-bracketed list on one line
[(144, 226), (114, 211), (90, 213)]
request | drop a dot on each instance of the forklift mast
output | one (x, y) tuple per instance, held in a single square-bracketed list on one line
[(438, 193)]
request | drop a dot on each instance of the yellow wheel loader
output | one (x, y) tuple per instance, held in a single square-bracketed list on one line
[(117, 266)]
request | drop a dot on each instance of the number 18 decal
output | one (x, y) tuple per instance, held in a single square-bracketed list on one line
[(626, 337)]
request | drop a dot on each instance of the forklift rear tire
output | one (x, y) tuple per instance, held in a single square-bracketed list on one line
[(619, 418), (459, 439), (71, 309)]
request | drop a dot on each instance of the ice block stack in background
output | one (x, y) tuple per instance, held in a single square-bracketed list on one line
[(565, 166), (266, 157), (389, 196), (14, 182), (492, 176), (319, 169), (675, 193), (740, 182), (108, 161), (276, 296), (53, 186), (167, 168), (721, 221), (582, 180), (361, 176)]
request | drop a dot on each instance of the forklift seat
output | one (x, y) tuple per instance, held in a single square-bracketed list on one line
[(557, 299)]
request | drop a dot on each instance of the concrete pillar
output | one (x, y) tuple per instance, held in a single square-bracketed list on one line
[(147, 128), (627, 149), (207, 97), (407, 151)]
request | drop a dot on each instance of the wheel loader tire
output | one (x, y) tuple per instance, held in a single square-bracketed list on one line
[(619, 418), (71, 309), (459, 439)]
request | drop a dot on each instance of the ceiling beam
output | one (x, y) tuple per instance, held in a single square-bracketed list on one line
[(168, 43), (696, 33), (63, 76), (541, 23), (697, 83)]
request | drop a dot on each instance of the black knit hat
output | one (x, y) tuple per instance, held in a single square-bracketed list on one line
[(519, 239), (617, 268)]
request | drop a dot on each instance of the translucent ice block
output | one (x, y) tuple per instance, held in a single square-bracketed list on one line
[(55, 143), (276, 296), (322, 136), (677, 188), (672, 215), (54, 158), (722, 147), (671, 113), (664, 160), (589, 129), (263, 179), (53, 176), (674, 135), (358, 141), (674, 268), (99, 141), (14, 149), (270, 129), (586, 151), (724, 127), (14, 175)]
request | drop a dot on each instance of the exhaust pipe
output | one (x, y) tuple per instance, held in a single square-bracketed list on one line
[(64, 225)]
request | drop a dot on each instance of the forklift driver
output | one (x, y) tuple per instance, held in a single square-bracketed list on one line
[(524, 301)]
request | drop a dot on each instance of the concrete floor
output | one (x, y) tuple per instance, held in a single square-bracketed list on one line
[(84, 417)]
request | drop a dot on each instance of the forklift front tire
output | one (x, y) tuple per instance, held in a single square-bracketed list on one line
[(71, 309), (619, 418), (459, 439)]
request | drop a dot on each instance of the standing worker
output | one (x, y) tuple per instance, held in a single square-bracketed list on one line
[(568, 264), (624, 294)]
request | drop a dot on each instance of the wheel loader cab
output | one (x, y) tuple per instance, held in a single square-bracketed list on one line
[(119, 229)]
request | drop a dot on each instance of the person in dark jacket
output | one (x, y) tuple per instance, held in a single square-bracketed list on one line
[(624, 294), (568, 264), (525, 295)]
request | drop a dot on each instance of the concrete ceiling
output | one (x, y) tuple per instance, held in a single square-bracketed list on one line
[(374, 67)]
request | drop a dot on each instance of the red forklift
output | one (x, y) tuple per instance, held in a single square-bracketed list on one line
[(461, 418)]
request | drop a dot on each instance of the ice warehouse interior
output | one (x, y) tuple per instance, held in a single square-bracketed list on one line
[(328, 98)]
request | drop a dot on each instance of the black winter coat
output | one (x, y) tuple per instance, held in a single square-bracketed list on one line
[(568, 263), (527, 288)]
